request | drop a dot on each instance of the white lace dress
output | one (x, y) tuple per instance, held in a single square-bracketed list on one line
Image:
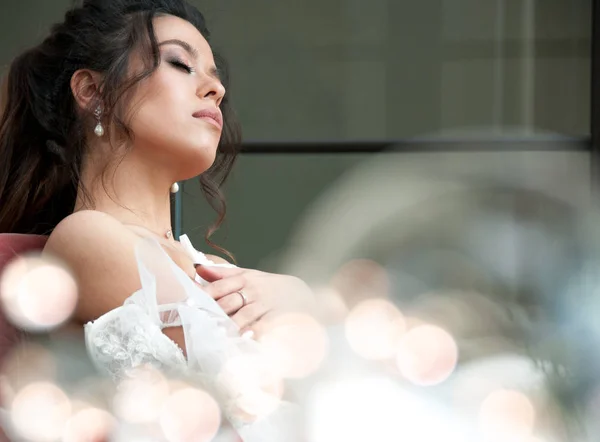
[(131, 337)]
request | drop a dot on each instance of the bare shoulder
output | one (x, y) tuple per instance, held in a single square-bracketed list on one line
[(89, 234), (88, 225), (101, 253)]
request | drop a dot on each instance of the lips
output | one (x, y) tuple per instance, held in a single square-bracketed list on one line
[(212, 114)]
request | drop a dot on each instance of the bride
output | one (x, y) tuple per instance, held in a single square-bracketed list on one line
[(121, 101)]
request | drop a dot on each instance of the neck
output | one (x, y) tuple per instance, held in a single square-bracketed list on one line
[(133, 192)]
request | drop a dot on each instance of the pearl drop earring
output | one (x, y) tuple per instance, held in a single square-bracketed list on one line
[(174, 188), (99, 130)]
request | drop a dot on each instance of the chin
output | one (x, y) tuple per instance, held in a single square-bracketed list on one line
[(199, 161)]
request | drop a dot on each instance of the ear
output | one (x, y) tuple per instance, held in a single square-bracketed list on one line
[(85, 85)]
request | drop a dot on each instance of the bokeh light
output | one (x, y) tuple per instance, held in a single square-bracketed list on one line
[(139, 398), (40, 411), (26, 364), (506, 415), (359, 280), (375, 409), (254, 383), (374, 328), (295, 344), (89, 425), (37, 294), (480, 377), (333, 308), (427, 355), (190, 415)]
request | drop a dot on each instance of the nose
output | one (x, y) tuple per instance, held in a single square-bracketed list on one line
[(212, 88)]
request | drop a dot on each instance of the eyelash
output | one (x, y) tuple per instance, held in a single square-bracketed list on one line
[(181, 65)]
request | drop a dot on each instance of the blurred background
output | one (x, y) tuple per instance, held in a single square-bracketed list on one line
[(438, 156), (320, 87)]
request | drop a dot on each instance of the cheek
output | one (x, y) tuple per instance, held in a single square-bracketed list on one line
[(163, 120), (162, 110), (169, 99)]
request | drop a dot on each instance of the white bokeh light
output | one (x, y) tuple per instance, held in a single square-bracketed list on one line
[(256, 385), (427, 355), (89, 424), (40, 411), (190, 415), (374, 328), (295, 345), (140, 398), (506, 415), (38, 294), (376, 409)]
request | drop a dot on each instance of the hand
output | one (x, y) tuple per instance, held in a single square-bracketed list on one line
[(267, 295)]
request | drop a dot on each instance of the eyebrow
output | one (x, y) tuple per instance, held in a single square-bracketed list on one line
[(213, 71), (188, 48)]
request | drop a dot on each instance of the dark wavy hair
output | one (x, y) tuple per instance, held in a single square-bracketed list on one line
[(42, 132)]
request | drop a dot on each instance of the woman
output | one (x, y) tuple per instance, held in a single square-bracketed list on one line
[(120, 102)]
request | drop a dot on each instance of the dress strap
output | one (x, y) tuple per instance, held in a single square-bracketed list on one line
[(198, 257)]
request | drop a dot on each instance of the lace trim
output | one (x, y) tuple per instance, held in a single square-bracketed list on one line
[(131, 336), (125, 339)]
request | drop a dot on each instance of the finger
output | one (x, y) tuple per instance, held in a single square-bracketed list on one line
[(210, 273), (232, 303), (249, 314), (226, 286)]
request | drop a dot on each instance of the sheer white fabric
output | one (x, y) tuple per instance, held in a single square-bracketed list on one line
[(131, 337)]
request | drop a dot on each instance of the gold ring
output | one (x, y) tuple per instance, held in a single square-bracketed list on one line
[(244, 299)]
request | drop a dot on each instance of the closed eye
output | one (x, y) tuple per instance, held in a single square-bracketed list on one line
[(181, 65)]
